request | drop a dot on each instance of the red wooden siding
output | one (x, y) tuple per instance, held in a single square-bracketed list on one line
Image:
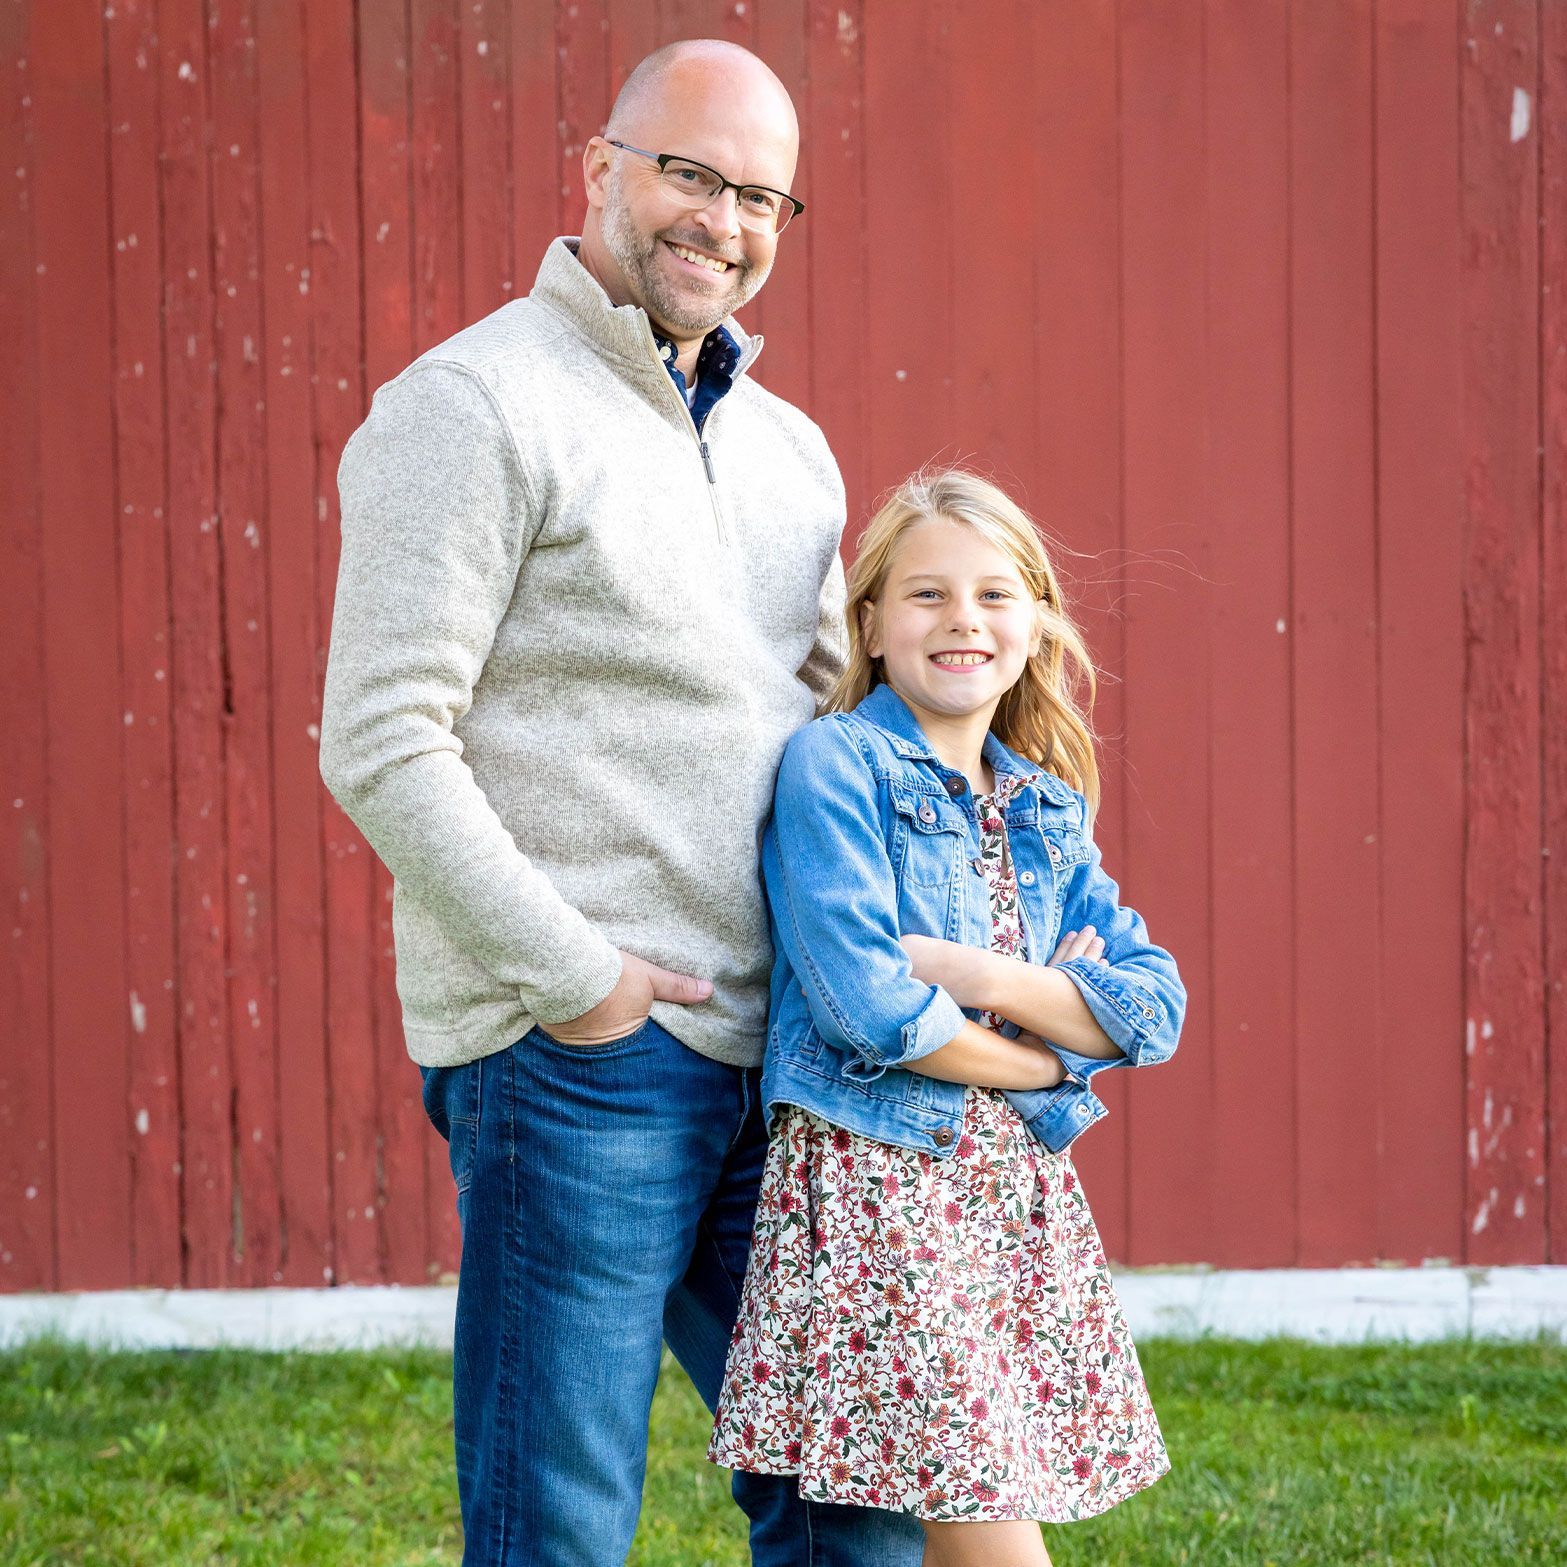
[(1257, 305)]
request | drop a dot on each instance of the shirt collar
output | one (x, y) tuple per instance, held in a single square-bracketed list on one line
[(883, 707), (566, 287)]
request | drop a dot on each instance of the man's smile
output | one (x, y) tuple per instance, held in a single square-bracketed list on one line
[(698, 259)]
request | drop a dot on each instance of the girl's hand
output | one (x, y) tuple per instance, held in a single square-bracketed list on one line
[(959, 970), (1084, 943)]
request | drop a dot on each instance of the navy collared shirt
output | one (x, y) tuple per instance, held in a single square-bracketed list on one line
[(715, 370)]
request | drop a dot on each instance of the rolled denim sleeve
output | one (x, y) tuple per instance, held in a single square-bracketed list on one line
[(834, 902), (1136, 995)]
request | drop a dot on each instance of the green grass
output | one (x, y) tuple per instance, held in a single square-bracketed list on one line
[(1443, 1454)]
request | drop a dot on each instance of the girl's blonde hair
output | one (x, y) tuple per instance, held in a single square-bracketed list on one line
[(1045, 716)]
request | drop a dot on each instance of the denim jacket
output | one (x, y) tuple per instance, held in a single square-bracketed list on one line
[(871, 839)]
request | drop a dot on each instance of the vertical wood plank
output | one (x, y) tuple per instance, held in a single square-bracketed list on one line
[(90, 1012), (243, 544), (27, 1187), (906, 330), (582, 39), (337, 360), (992, 369), (405, 1132), (304, 1092), (484, 77), (1504, 995), (836, 265), (1172, 1129), (1247, 102), (437, 299), (1420, 1177), (1552, 102), (782, 311), (1076, 398), (130, 34), (535, 137), (195, 574), (1333, 485)]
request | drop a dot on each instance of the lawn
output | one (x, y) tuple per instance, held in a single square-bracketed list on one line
[(1443, 1454)]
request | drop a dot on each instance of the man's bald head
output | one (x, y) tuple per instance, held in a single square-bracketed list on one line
[(670, 78)]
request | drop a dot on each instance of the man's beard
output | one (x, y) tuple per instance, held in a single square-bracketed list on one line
[(637, 257)]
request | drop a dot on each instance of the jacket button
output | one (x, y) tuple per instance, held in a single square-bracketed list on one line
[(1054, 853), (979, 865), (943, 1136), (1025, 878), (956, 786), (927, 813)]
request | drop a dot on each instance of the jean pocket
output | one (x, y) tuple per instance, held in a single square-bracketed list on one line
[(454, 1101)]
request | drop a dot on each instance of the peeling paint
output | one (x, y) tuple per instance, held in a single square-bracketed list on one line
[(138, 1015), (1519, 127)]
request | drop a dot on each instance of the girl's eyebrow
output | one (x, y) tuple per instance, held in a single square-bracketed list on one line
[(931, 576)]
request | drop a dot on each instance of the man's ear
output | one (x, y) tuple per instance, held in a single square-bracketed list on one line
[(595, 170)]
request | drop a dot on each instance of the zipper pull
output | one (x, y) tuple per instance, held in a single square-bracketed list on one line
[(707, 462)]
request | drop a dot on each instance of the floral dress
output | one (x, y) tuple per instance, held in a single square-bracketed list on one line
[(938, 1337)]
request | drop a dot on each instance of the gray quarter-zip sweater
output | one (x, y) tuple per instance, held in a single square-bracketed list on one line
[(564, 664)]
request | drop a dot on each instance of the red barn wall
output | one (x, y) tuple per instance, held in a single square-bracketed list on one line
[(1251, 303)]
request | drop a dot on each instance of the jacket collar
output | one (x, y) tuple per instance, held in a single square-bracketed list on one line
[(884, 708), (622, 332)]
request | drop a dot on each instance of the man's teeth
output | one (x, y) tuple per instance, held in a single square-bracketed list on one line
[(710, 262), (963, 658)]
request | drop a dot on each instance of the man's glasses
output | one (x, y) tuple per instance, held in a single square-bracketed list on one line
[(694, 185)]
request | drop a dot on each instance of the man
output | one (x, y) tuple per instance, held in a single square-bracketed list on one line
[(589, 587)]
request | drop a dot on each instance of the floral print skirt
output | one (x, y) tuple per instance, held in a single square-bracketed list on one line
[(938, 1337)]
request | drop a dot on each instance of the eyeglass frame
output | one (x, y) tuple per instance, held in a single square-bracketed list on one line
[(664, 159)]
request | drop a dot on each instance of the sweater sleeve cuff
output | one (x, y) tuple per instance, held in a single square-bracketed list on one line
[(573, 982)]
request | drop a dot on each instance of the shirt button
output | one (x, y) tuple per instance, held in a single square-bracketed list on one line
[(927, 813), (956, 786), (1025, 878), (942, 1136)]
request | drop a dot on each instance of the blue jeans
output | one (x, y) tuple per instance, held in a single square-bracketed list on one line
[(606, 1195)]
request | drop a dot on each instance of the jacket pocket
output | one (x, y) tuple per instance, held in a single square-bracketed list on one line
[(928, 838), (1065, 847)]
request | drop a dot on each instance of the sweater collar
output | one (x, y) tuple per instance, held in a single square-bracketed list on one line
[(565, 286)]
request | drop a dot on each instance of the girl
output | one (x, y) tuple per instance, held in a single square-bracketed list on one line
[(928, 1323)]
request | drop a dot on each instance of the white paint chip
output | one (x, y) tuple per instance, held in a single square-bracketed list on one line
[(138, 1014), (143, 1122), (1278, 626), (1520, 122)]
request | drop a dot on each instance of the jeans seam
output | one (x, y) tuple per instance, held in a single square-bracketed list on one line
[(745, 1111), (810, 1535), (505, 1392)]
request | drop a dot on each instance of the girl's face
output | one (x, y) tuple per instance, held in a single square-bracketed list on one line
[(954, 625)]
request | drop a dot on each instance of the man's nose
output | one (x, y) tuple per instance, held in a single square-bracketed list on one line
[(721, 216)]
